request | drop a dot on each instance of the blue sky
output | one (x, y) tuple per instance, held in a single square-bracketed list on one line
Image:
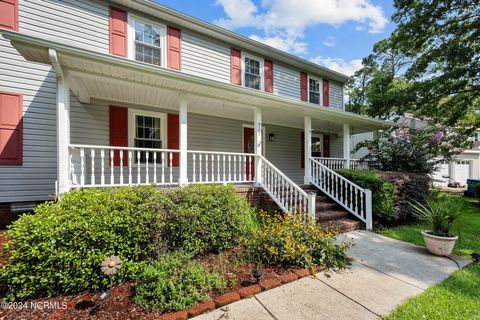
[(334, 33)]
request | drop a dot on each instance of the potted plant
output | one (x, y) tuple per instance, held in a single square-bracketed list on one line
[(440, 213)]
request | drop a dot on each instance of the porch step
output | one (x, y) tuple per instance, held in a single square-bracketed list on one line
[(346, 224), (331, 215)]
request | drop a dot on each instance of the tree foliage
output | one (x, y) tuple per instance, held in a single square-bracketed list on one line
[(429, 67)]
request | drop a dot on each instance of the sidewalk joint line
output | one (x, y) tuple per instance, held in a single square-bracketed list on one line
[(343, 294), (363, 264), (264, 307)]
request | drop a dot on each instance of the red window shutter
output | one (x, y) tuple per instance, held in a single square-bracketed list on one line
[(173, 131), (303, 86), (118, 32), (119, 132), (268, 73), (326, 145), (235, 66), (9, 14), (174, 48), (326, 93), (302, 150), (11, 128)]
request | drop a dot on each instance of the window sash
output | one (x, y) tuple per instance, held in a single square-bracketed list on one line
[(145, 140), (147, 47), (252, 73), (314, 91)]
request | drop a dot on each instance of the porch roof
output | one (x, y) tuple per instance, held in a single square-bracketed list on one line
[(100, 76)]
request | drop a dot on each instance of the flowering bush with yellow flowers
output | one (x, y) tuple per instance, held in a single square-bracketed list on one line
[(288, 240)]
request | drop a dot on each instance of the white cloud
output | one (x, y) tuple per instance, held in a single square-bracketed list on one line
[(329, 41), (289, 44), (287, 19), (340, 65)]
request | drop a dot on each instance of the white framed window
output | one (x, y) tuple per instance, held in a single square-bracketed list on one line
[(314, 90), (317, 145), (147, 41), (252, 72), (146, 129)]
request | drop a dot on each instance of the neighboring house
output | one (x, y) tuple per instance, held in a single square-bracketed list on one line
[(466, 165), (109, 93)]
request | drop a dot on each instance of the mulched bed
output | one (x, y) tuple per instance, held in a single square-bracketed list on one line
[(120, 305)]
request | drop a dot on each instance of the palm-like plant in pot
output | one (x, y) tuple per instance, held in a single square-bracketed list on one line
[(440, 213)]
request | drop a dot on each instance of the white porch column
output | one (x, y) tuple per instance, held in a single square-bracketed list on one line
[(346, 145), (183, 179), (257, 123), (307, 149), (63, 125)]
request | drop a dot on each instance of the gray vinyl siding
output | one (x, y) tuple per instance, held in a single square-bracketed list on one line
[(81, 23), (35, 178), (336, 146), (336, 95), (205, 58), (286, 82)]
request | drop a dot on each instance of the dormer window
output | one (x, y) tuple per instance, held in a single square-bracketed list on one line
[(252, 72), (147, 42), (314, 90)]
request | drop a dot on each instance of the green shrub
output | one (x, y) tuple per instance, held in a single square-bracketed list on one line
[(208, 218), (175, 282), (285, 239), (58, 250), (383, 192)]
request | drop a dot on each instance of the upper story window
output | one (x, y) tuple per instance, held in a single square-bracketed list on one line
[(148, 41), (252, 72), (314, 90)]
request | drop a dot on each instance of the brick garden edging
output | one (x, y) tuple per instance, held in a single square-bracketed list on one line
[(238, 294)]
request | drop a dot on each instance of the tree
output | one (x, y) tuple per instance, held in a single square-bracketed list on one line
[(428, 67)]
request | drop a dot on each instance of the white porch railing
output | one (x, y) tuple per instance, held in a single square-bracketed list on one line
[(286, 193), (352, 197), (107, 166), (220, 167), (340, 163)]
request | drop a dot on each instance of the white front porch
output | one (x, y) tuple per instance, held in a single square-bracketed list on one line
[(208, 152)]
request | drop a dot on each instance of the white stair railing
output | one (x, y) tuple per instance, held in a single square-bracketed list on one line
[(341, 163), (108, 166), (352, 197), (286, 193), (220, 167)]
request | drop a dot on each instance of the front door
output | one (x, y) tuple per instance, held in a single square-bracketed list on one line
[(249, 147)]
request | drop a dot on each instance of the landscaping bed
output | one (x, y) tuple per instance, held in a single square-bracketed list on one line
[(139, 252)]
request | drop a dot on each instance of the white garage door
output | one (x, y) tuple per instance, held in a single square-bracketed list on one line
[(462, 171), (440, 176)]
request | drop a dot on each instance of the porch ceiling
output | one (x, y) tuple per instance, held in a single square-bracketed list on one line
[(100, 76)]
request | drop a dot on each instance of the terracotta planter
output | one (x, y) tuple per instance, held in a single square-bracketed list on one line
[(440, 246)]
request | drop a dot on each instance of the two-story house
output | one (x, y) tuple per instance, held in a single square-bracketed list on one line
[(124, 92)]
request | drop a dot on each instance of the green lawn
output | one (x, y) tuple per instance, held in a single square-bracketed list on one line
[(458, 297)]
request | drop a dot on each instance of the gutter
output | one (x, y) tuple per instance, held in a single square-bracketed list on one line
[(23, 40)]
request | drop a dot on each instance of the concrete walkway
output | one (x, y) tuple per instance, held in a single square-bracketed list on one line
[(385, 272)]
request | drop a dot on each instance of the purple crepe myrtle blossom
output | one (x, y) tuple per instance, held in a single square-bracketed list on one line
[(437, 136)]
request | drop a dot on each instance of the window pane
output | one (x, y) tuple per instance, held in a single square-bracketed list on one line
[(314, 91), (147, 43)]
